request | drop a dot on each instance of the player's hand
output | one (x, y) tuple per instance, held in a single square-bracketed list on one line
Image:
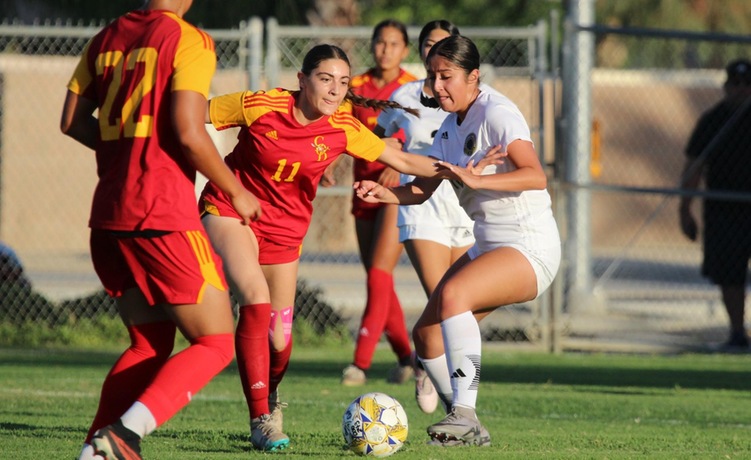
[(688, 223), (470, 175), (247, 206), (369, 191), (495, 156)]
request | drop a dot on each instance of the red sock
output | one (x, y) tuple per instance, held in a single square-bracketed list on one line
[(396, 331), (279, 365), (252, 343), (150, 346), (184, 374), (380, 290)]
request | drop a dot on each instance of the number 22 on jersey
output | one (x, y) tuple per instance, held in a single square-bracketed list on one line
[(124, 123)]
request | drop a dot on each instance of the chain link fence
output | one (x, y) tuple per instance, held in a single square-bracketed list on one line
[(47, 180), (641, 287), (636, 285)]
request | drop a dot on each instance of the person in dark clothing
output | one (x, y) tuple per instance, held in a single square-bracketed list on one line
[(719, 151)]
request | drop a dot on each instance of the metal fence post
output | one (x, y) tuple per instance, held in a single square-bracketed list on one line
[(577, 107), (272, 52), (254, 31)]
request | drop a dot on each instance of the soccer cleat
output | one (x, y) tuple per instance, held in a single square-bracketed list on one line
[(353, 376), (115, 442), (265, 436), (276, 406), (400, 374), (425, 393), (460, 427)]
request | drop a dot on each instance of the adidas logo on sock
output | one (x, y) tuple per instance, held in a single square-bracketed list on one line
[(258, 385), (458, 373)]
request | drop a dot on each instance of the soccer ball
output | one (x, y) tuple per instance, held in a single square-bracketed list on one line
[(375, 424)]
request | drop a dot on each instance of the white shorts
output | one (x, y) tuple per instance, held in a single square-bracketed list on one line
[(452, 237), (544, 263)]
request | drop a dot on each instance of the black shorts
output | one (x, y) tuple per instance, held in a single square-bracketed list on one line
[(727, 245)]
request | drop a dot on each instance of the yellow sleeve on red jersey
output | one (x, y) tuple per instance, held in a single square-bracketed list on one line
[(346, 106), (406, 77), (243, 108), (82, 77), (195, 60), (361, 142)]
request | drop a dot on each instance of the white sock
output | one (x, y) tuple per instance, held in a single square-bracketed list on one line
[(463, 344), (139, 420), (87, 453), (438, 371)]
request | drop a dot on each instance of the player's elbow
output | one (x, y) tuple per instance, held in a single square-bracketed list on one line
[(66, 124), (541, 182), (190, 138)]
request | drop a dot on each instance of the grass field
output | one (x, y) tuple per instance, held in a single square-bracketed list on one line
[(575, 406)]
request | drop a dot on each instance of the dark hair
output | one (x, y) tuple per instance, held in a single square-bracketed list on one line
[(320, 53), (389, 23), (441, 24), (458, 50), (739, 72), (378, 104)]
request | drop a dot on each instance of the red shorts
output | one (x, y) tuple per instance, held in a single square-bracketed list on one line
[(168, 267), (269, 252)]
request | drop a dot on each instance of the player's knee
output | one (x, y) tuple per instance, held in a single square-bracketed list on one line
[(153, 340), (451, 301), (222, 346)]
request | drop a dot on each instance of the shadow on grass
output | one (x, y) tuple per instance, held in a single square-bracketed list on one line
[(600, 373), (685, 371)]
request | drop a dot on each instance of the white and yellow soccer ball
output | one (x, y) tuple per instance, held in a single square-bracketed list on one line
[(375, 424)]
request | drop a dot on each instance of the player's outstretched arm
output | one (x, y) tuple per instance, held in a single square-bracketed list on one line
[(415, 192)]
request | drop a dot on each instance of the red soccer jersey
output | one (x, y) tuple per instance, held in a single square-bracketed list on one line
[(131, 69), (363, 86), (281, 161)]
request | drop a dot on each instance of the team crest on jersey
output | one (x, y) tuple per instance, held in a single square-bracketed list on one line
[(470, 144), (320, 148)]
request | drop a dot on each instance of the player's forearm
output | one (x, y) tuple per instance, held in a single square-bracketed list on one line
[(202, 154), (408, 163), (515, 181), (409, 194)]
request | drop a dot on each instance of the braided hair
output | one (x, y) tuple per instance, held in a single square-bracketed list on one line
[(379, 104)]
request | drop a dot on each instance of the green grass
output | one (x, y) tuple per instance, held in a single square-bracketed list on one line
[(574, 406)]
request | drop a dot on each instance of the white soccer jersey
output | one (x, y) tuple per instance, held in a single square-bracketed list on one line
[(442, 209), (523, 220)]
